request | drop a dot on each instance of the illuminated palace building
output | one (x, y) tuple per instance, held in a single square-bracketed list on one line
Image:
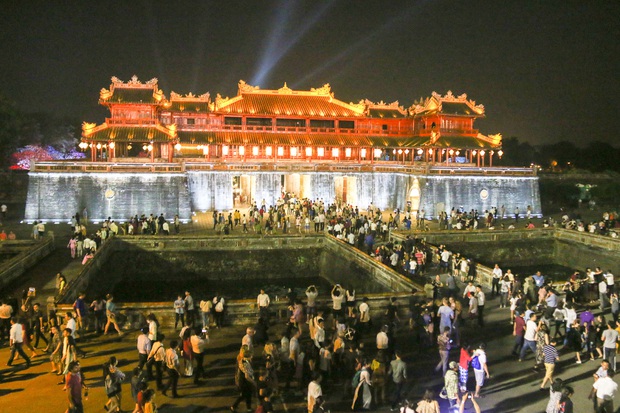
[(181, 154)]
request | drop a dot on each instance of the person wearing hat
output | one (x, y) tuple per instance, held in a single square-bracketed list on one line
[(451, 383)]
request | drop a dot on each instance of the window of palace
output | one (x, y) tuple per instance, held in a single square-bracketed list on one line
[(191, 121), (232, 120), (321, 123), (346, 124), (258, 121), (291, 123)]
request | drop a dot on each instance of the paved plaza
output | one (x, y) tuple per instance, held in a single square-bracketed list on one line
[(513, 386)]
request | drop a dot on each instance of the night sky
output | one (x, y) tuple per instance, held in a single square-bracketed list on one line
[(545, 70)]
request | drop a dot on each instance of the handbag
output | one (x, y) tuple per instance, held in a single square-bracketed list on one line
[(443, 393)]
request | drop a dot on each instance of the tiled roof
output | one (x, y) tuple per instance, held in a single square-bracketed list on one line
[(130, 134), (287, 105), (186, 107), (462, 142), (385, 113)]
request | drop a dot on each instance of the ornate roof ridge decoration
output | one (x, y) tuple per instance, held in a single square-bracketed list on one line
[(221, 102), (285, 90), (246, 88), (205, 97), (436, 100), (382, 105), (495, 140), (133, 83)]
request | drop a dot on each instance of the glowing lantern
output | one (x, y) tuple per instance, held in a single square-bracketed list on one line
[(482, 152), (177, 146), (268, 151), (98, 146), (280, 151), (347, 152), (474, 152), (451, 152), (420, 151), (111, 145), (294, 151), (378, 153), (225, 150), (363, 153), (335, 152), (430, 151), (242, 150), (320, 152), (500, 153), (308, 151), (150, 148), (400, 151), (255, 151)]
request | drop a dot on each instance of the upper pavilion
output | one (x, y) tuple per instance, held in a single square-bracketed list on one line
[(285, 125)]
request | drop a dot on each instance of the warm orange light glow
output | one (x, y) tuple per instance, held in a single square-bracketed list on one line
[(335, 152), (482, 152), (451, 152), (280, 151), (177, 146), (98, 146), (150, 148), (242, 150), (378, 153), (320, 152), (430, 151), (363, 153), (309, 151), (406, 151), (111, 145), (268, 151), (255, 151), (400, 151), (293, 151), (347, 152), (420, 151), (225, 150), (474, 152), (500, 153)]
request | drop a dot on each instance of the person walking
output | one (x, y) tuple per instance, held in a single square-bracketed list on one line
[(16, 342), (551, 356), (451, 384), (481, 370), (398, 372), (173, 369)]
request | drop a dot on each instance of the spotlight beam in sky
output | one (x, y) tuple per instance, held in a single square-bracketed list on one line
[(360, 48), (283, 37)]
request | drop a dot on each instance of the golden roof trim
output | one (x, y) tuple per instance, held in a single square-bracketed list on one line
[(435, 101), (134, 83)]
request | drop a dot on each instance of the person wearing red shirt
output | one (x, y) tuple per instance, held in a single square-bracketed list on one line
[(518, 332)]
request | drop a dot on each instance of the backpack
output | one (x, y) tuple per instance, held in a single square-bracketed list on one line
[(475, 363)]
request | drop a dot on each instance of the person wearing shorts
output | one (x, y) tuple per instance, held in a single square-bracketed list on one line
[(481, 370)]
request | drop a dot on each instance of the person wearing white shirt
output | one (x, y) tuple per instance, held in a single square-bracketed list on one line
[(16, 341), (314, 391), (171, 361), (263, 302), (382, 339), (144, 347), (605, 389), (497, 276), (529, 339), (199, 346)]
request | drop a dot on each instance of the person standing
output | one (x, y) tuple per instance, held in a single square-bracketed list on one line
[(199, 347), (189, 308), (497, 276), (263, 301), (179, 311), (74, 386), (16, 341), (219, 307), (451, 383), (172, 367), (245, 382), (398, 372), (113, 378), (481, 370), (205, 311), (37, 325), (610, 339), (144, 347), (481, 301), (364, 316), (443, 343), (604, 388)]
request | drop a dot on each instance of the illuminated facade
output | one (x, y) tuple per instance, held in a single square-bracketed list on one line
[(183, 154), (285, 124)]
